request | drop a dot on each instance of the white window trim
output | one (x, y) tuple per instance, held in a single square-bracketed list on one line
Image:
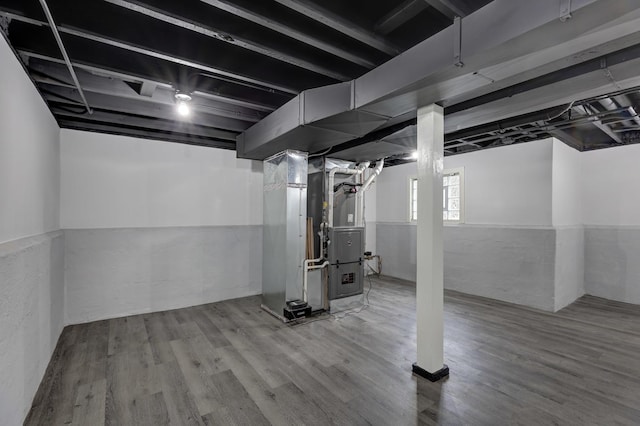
[(458, 170), (410, 198)]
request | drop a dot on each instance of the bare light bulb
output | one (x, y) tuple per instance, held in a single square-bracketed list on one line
[(183, 109), (182, 103), (414, 155)]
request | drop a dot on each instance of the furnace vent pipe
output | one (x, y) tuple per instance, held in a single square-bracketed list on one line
[(330, 192), (376, 172), (305, 274), (365, 186)]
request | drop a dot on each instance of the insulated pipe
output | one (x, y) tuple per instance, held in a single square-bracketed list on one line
[(330, 192), (67, 61), (305, 274), (365, 186)]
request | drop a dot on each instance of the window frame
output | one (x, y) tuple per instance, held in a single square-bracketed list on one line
[(447, 172)]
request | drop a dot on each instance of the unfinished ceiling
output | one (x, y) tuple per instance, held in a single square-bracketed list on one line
[(240, 60)]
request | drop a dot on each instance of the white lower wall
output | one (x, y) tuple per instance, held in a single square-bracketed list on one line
[(612, 267), (513, 264), (569, 265), (117, 272), (32, 316)]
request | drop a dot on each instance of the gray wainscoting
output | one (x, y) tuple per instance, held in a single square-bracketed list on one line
[(31, 317), (117, 272), (396, 245), (612, 263), (570, 248), (513, 264)]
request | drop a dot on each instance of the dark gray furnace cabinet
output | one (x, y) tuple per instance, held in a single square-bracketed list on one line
[(344, 247), (346, 250)]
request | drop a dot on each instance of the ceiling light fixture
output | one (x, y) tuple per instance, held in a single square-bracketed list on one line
[(182, 103)]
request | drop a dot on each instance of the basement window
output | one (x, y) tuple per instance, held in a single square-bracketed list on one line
[(452, 196)]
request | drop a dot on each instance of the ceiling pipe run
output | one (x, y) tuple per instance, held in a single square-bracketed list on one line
[(67, 61)]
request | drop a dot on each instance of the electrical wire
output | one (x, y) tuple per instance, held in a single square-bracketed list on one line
[(563, 111), (320, 154), (345, 313)]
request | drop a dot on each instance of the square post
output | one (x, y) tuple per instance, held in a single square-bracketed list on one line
[(429, 276)]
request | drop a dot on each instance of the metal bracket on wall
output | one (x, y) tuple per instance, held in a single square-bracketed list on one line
[(457, 42), (565, 10), (4, 25)]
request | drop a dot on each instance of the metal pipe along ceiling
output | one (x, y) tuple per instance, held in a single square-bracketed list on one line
[(67, 61), (504, 43)]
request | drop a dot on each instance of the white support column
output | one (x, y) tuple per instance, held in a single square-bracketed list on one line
[(430, 281)]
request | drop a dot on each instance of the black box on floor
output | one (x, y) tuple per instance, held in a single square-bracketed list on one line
[(297, 309)]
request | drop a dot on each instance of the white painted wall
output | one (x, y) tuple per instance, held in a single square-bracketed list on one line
[(610, 182), (509, 185), (567, 185), (31, 283), (503, 186), (611, 207), (29, 150), (121, 182), (392, 198)]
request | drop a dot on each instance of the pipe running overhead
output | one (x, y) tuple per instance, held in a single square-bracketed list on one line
[(67, 61)]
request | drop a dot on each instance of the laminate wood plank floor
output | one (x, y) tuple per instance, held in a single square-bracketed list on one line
[(231, 363)]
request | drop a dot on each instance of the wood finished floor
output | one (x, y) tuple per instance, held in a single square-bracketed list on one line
[(231, 363)]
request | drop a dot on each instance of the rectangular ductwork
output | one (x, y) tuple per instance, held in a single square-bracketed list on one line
[(284, 228), (505, 43), (315, 119)]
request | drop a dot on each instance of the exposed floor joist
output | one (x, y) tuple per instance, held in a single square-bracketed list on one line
[(228, 38), (331, 20), (288, 31)]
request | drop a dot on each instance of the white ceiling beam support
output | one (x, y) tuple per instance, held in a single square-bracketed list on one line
[(227, 38), (429, 274), (331, 20), (288, 31)]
